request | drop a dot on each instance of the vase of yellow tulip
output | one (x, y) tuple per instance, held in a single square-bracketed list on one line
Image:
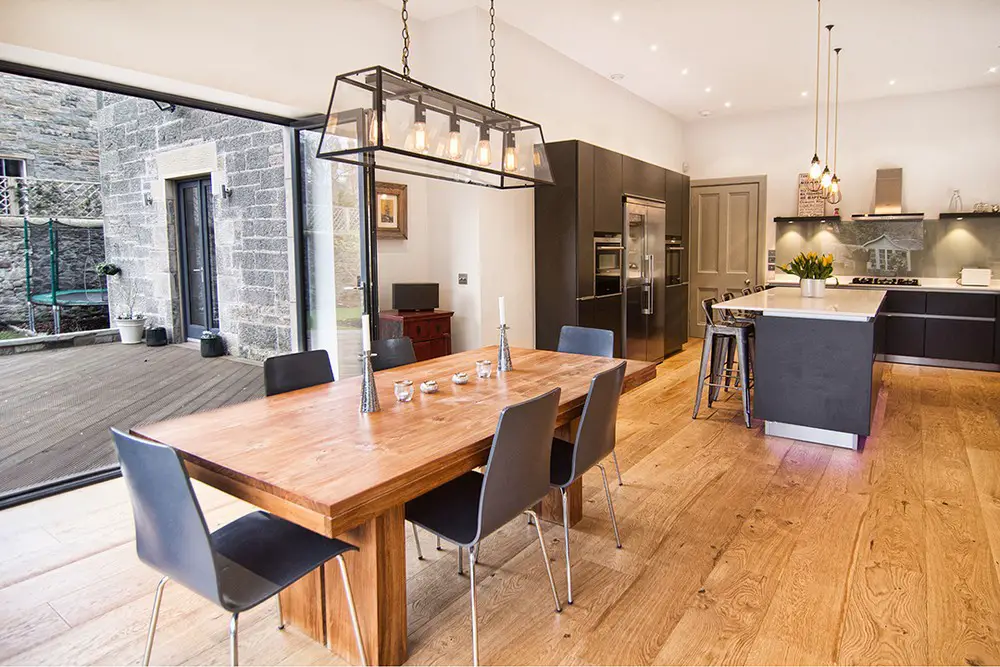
[(813, 270)]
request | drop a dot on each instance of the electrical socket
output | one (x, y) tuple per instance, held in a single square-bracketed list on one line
[(463, 279)]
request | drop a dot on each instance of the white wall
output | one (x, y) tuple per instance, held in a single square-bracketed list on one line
[(941, 140)]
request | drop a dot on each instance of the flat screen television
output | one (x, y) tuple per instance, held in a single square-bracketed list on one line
[(414, 296)]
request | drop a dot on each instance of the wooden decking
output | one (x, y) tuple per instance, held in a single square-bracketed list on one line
[(56, 406), (738, 549)]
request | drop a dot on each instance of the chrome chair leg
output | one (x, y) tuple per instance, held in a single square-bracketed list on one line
[(439, 544), (569, 572), (707, 358), (460, 570), (614, 456), (416, 540), (472, 598), (152, 620), (353, 610), (611, 507), (234, 640), (281, 620), (545, 557)]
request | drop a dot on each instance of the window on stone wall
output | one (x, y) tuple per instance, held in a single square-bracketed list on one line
[(9, 168)]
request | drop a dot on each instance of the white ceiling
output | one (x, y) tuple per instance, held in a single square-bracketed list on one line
[(759, 54)]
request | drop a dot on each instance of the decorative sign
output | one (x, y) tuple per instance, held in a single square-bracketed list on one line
[(810, 203)]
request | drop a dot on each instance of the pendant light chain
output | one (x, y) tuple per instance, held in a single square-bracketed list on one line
[(406, 42), (829, 46), (493, 56), (836, 113)]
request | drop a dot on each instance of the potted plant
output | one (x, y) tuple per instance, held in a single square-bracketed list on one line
[(212, 344), (107, 269), (130, 323), (812, 270)]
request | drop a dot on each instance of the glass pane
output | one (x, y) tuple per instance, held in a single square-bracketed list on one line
[(332, 226), (194, 256), (213, 273)]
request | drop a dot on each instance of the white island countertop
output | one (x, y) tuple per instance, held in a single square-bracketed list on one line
[(857, 305), (926, 284)]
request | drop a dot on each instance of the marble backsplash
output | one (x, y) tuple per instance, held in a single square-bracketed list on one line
[(930, 248)]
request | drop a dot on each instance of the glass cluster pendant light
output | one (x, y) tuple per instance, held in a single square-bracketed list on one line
[(389, 120), (833, 193), (815, 166), (827, 176)]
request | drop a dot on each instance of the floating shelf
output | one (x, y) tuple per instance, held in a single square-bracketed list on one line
[(969, 214), (807, 218)]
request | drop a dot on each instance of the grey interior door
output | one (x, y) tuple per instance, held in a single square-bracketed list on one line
[(197, 255), (724, 244)]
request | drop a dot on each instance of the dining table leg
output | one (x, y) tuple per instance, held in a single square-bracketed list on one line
[(551, 508), (377, 572)]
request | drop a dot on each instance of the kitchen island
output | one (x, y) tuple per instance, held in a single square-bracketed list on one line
[(816, 376)]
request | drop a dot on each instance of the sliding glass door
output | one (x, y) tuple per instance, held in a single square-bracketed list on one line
[(331, 199)]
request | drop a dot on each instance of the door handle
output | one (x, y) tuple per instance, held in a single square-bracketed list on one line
[(353, 289), (197, 270), (647, 294), (747, 282)]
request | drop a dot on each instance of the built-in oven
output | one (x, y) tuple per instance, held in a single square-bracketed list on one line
[(608, 251), (676, 261)]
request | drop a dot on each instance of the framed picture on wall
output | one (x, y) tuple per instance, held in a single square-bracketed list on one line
[(391, 222)]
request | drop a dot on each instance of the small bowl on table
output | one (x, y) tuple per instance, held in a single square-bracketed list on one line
[(460, 378)]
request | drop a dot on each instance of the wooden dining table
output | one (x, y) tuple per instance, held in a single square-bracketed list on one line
[(311, 457)]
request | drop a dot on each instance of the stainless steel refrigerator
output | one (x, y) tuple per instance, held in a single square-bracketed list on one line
[(645, 314)]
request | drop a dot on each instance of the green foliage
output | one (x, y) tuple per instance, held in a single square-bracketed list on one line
[(108, 269), (810, 266)]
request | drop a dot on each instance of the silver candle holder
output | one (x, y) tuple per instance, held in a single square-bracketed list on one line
[(369, 393), (504, 363)]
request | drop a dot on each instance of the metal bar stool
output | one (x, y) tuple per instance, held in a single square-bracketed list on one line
[(715, 372)]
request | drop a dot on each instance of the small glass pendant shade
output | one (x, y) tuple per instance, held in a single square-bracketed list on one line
[(834, 195), (400, 124), (815, 168), (826, 178)]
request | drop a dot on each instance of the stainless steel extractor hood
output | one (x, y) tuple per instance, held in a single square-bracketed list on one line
[(888, 204)]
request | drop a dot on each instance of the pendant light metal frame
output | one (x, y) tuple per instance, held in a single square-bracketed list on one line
[(826, 153), (813, 183), (378, 97), (834, 192)]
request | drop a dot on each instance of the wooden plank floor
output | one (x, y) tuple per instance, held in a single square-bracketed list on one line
[(57, 405), (738, 549)]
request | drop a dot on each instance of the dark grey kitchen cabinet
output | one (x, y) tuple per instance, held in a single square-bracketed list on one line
[(608, 315), (996, 333), (961, 305), (677, 204), (676, 304), (585, 219), (960, 340), (644, 179), (585, 313), (903, 301), (904, 336), (606, 185)]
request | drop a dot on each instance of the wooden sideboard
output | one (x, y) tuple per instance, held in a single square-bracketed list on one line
[(430, 330)]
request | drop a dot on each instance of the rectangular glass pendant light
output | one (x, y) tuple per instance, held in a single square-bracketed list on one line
[(407, 126)]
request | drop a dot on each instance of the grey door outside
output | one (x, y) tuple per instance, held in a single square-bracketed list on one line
[(724, 244), (197, 254)]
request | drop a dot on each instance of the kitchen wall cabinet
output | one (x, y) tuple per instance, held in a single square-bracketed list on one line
[(587, 199), (996, 334), (676, 303)]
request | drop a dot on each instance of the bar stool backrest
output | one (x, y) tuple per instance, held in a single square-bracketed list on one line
[(706, 306), (747, 291), (584, 340), (595, 437), (758, 288), (392, 352), (289, 372), (171, 535), (517, 472)]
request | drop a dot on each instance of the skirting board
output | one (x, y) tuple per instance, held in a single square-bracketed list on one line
[(810, 434)]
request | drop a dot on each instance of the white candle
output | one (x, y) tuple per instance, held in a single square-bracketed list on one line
[(503, 313), (366, 333)]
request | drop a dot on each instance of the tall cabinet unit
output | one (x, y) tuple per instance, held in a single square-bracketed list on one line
[(578, 224)]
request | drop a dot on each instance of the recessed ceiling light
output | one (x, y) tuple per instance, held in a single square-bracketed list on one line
[(704, 113), (654, 47), (728, 105), (617, 76), (708, 89), (892, 82), (616, 17), (684, 71), (992, 70), (805, 93)]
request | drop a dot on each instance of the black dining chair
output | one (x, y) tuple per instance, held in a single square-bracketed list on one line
[(392, 352), (238, 566), (595, 439), (474, 505), (298, 370), (595, 342)]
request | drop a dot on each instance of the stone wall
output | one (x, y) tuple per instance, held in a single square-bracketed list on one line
[(145, 151), (52, 127)]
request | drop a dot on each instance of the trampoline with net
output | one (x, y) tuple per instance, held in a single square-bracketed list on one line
[(46, 270)]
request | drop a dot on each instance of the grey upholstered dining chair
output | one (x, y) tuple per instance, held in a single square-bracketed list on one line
[(474, 505), (238, 566), (392, 352), (595, 439), (298, 370), (596, 343)]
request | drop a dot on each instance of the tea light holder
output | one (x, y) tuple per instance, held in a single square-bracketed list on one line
[(503, 351), (369, 393)]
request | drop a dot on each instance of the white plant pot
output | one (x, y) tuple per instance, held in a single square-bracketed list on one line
[(131, 330), (813, 288)]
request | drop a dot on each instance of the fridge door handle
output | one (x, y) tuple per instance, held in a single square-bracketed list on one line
[(647, 296)]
